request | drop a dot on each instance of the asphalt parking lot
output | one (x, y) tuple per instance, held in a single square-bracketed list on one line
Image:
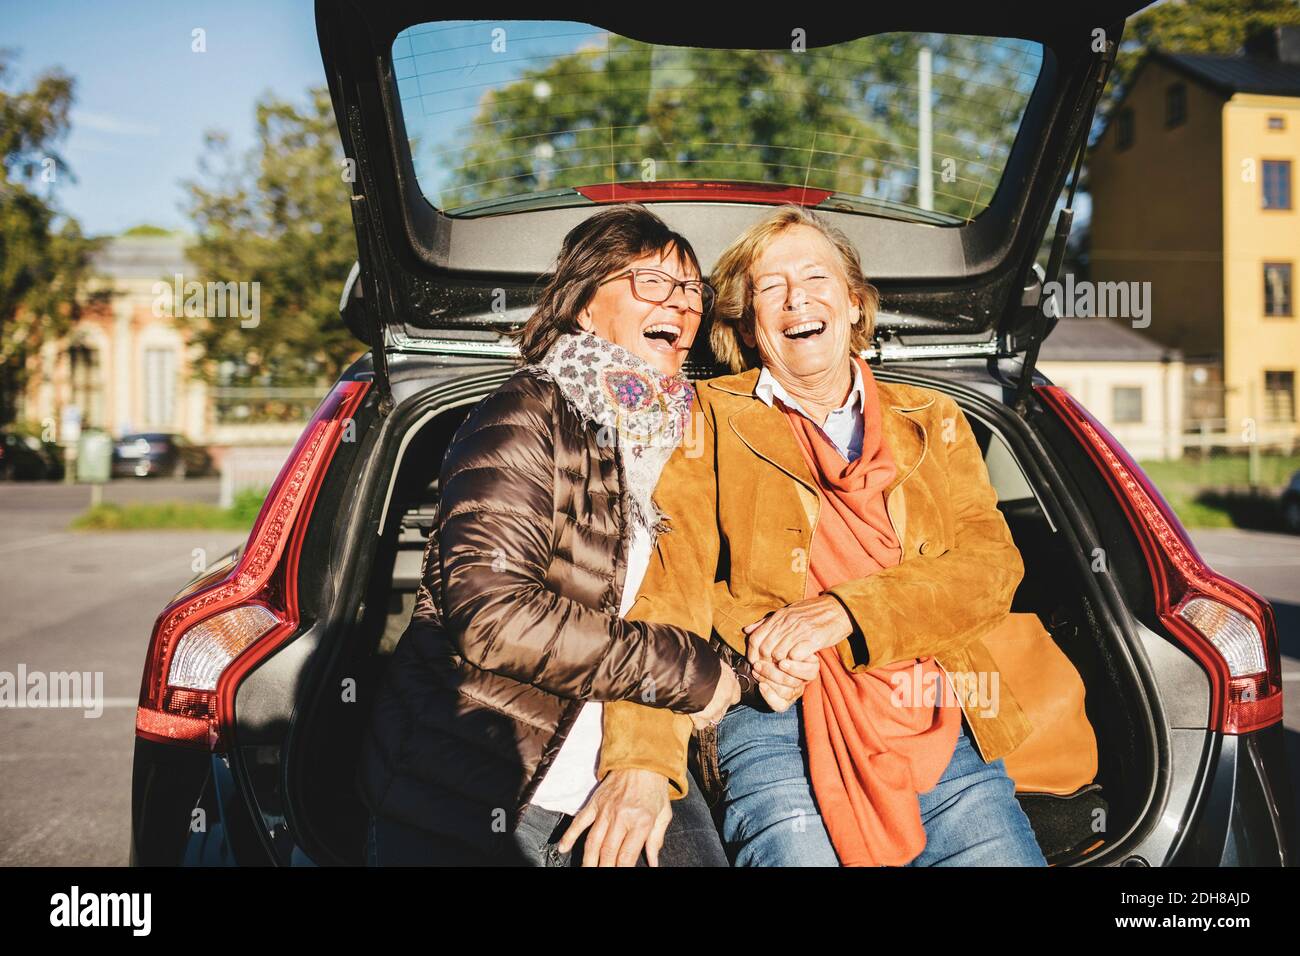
[(81, 601)]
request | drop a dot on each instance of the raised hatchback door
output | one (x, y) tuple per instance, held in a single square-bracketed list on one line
[(476, 145)]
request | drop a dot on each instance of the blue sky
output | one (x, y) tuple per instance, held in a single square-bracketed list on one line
[(144, 99)]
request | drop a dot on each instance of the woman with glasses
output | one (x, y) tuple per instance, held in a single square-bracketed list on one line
[(485, 743)]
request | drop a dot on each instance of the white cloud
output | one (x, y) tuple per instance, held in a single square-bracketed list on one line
[(107, 123)]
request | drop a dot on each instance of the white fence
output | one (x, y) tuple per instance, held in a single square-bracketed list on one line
[(250, 466)]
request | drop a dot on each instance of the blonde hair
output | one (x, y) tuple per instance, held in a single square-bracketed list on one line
[(734, 307)]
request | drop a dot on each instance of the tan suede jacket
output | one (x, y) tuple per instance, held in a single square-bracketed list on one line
[(742, 505)]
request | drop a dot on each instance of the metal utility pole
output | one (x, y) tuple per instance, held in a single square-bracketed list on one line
[(924, 147)]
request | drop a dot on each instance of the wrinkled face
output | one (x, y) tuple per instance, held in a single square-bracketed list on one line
[(659, 332), (803, 312)]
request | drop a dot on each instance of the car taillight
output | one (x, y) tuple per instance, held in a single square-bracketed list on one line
[(1229, 628), (206, 649), (206, 641)]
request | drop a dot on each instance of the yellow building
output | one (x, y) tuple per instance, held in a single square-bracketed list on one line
[(1193, 189), (127, 364), (124, 367)]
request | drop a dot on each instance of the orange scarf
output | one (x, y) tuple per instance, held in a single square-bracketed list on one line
[(873, 741)]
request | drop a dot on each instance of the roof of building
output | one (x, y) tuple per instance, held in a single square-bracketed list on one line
[(1237, 74), (1101, 340), (1267, 64), (142, 257)]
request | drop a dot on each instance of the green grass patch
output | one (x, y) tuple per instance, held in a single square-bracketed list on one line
[(1215, 491), (173, 515), (1219, 471), (1194, 514)]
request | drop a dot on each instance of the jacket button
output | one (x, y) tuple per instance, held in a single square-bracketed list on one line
[(924, 548)]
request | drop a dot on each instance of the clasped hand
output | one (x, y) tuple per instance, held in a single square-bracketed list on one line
[(783, 646), (630, 809)]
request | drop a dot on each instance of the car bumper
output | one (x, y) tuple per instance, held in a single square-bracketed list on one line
[(186, 810), (136, 468), (1247, 813)]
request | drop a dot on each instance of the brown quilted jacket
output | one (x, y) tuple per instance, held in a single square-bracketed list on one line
[(516, 621)]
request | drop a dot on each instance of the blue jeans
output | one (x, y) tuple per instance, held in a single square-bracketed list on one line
[(691, 840), (769, 816)]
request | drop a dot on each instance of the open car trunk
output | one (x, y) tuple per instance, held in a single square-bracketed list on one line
[(1058, 588), (449, 262)]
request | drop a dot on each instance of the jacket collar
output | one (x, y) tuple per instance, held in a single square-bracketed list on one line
[(766, 387), (764, 430)]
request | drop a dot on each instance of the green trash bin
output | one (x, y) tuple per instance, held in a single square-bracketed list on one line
[(94, 457)]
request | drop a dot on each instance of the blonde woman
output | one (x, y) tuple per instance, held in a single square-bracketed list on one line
[(841, 533)]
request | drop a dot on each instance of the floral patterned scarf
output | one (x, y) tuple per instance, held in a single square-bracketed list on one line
[(632, 403)]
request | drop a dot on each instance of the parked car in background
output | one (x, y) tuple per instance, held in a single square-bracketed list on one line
[(155, 453), (240, 715), (27, 458), (1291, 505)]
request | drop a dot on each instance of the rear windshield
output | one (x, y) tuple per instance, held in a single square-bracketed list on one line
[(503, 115)]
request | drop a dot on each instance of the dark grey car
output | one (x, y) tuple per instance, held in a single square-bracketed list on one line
[(149, 454), (473, 155)]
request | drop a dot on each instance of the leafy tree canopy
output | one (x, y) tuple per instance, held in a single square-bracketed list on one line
[(841, 118), (278, 215), (44, 258)]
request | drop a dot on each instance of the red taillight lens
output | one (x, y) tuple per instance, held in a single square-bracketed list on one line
[(206, 641), (1228, 627)]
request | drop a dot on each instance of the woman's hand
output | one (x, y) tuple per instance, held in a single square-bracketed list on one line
[(725, 694), (629, 810), (781, 684), (798, 631)]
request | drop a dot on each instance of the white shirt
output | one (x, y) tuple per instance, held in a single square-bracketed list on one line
[(844, 425), (571, 778)]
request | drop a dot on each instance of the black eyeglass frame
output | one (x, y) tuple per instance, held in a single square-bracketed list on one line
[(708, 294)]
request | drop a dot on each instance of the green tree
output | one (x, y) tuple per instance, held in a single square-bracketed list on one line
[(148, 230), (278, 215), (1192, 26), (842, 118), (44, 258)]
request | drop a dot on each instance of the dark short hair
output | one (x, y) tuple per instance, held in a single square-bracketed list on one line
[(602, 243)]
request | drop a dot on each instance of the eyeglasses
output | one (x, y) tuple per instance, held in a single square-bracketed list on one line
[(651, 285)]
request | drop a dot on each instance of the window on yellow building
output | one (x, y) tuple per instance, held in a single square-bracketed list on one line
[(1124, 129), (1126, 404), (1277, 288), (1279, 395), (1277, 123), (1277, 183), (1176, 105)]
